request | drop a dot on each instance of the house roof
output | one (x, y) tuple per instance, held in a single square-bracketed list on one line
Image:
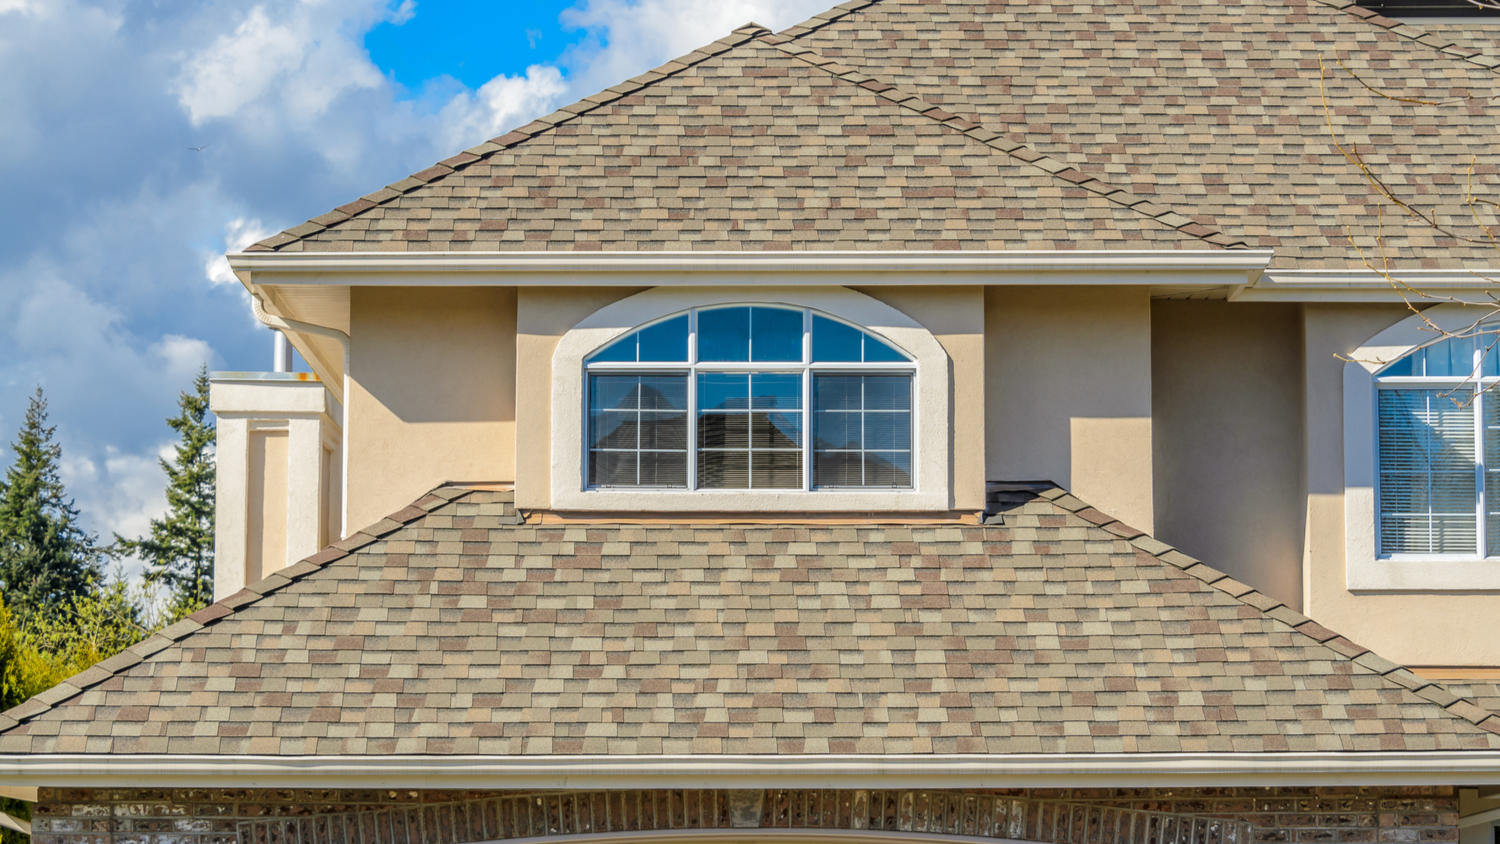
[(444, 629), (903, 124)]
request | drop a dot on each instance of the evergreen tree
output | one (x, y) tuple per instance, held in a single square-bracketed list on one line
[(46, 559), (179, 552)]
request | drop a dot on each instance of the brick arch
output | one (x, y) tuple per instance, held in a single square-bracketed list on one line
[(846, 816)]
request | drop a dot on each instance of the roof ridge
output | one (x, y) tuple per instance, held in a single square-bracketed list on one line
[(822, 19), (481, 152), (977, 131), (438, 497), (1462, 707), (1427, 38)]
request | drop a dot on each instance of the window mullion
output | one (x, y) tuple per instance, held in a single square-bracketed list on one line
[(1480, 505)]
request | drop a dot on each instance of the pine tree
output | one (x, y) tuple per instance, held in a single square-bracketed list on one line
[(179, 551), (46, 558)]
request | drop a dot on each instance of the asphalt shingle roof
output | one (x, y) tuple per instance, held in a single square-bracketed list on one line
[(969, 124), (446, 630)]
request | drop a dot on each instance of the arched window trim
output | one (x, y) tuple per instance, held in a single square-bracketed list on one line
[(1367, 567), (931, 402)]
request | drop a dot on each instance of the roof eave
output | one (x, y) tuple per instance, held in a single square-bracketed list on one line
[(1479, 767)]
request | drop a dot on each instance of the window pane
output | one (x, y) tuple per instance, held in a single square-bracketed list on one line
[(724, 469), (877, 351), (614, 391), (724, 334), (779, 391), (776, 430), (866, 442), (1491, 403), (612, 468), (664, 431), (622, 350), (664, 468), (776, 334), (835, 342), (665, 341), (723, 391), (663, 392), (612, 429), (1427, 466), (724, 430), (776, 469)]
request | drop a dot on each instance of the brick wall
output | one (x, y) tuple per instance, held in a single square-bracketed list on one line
[(1099, 816)]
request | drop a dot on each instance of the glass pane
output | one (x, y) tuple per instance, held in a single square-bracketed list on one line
[(723, 391), (836, 392), (663, 392), (776, 469), (878, 351), (838, 468), (1427, 467), (836, 429), (613, 391), (1400, 367), (780, 391), (664, 430), (776, 334), (834, 342), (724, 469), (888, 392), (612, 468), (776, 430), (724, 430), (612, 429), (1491, 412), (666, 341), (888, 431), (664, 468), (724, 334), (620, 351), (887, 468)]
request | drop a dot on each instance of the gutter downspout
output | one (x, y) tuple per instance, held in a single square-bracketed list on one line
[(258, 308)]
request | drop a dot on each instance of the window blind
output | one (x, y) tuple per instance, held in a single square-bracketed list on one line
[(1428, 488)]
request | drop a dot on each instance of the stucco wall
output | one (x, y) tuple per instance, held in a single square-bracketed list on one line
[(1414, 629), (266, 500), (1226, 396), (1068, 393), (432, 393)]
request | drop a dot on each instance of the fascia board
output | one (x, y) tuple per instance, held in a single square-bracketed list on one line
[(848, 771), (1135, 267), (1367, 285)]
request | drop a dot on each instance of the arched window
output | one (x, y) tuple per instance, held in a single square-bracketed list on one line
[(723, 398), (1438, 451)]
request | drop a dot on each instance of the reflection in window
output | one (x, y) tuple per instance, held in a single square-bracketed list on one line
[(1438, 449), (745, 375)]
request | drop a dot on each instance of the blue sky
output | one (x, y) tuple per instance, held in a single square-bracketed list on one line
[(113, 289)]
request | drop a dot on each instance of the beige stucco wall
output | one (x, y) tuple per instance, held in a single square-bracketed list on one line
[(1068, 393), (431, 393), (266, 510), (1226, 387), (955, 316), (1435, 629)]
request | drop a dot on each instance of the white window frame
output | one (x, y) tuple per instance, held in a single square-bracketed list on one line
[(931, 430), (806, 368), (1365, 569)]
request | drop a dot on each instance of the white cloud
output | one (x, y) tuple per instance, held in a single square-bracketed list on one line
[(501, 104), (22, 6), (238, 234)]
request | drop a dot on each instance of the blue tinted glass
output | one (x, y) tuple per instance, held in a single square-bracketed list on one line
[(1490, 363), (776, 391), (665, 341), (1400, 367), (776, 334), (622, 349), (834, 342), (836, 392), (723, 391), (663, 392), (724, 334), (876, 351), (1453, 357), (613, 392), (888, 392)]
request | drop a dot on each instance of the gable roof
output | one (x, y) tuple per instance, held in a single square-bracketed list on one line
[(446, 630), (901, 124)]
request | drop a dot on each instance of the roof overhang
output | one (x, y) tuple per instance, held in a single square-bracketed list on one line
[(1157, 268), (1371, 285), (828, 771)]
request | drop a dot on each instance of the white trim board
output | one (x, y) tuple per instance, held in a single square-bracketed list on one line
[(1175, 268), (1037, 770), (1368, 285), (756, 833)]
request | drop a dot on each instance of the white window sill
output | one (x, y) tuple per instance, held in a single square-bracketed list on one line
[(1426, 574), (740, 500)]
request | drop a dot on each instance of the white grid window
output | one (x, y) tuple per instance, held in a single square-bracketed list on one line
[(1438, 451), (749, 377)]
